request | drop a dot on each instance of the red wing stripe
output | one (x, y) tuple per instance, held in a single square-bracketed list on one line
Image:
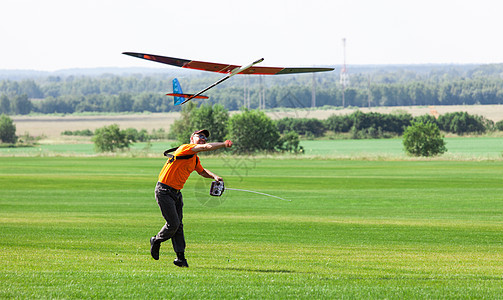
[(186, 96), (212, 67), (223, 68)]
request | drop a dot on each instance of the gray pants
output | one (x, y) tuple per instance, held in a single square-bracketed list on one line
[(171, 203)]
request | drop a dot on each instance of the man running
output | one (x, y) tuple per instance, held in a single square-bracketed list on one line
[(171, 180)]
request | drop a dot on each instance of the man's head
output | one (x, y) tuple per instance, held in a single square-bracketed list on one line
[(199, 136)]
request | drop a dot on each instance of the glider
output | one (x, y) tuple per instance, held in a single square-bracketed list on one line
[(230, 70), (179, 95)]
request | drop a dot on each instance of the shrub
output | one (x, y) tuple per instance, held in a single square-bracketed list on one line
[(499, 125), (425, 119), (253, 131), (7, 130), (110, 138), (339, 123), (462, 123), (289, 142), (309, 127), (423, 139), (370, 125), (85, 132)]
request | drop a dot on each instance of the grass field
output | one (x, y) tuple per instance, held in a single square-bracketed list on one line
[(78, 227)]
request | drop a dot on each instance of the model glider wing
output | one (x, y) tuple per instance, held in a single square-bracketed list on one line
[(180, 96), (224, 68)]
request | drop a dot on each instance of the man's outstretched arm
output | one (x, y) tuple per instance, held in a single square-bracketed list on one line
[(212, 146)]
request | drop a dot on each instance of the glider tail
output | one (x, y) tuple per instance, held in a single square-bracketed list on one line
[(177, 89), (179, 95)]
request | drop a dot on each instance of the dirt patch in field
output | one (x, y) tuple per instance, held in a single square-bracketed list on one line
[(52, 126)]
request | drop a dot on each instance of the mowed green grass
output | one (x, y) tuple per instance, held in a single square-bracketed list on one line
[(79, 228), (457, 147)]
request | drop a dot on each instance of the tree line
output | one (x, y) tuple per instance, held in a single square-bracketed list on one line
[(254, 132), (359, 125), (370, 87)]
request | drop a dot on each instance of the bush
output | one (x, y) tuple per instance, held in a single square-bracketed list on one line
[(423, 139), (110, 138), (425, 119), (85, 132), (392, 123), (462, 123), (499, 125), (370, 125), (308, 127), (289, 142), (253, 131), (26, 139), (7, 130), (157, 134), (339, 123)]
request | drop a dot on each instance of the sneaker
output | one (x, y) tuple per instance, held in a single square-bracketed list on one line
[(154, 248), (182, 263)]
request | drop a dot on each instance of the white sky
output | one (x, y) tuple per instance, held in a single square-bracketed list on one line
[(58, 34)]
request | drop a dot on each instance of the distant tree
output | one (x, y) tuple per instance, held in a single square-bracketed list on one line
[(143, 103), (181, 129), (253, 131), (350, 97), (110, 138), (120, 103), (213, 118), (30, 88), (93, 103), (54, 105), (423, 139), (4, 105), (157, 134), (22, 105), (131, 134), (7, 130), (142, 136)]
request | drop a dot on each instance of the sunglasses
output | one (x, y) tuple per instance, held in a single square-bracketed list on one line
[(201, 136)]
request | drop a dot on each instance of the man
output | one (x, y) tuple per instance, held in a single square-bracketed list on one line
[(171, 180)]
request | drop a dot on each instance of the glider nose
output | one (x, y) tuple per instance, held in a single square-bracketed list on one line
[(258, 61)]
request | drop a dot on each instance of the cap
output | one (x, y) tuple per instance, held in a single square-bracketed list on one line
[(203, 131)]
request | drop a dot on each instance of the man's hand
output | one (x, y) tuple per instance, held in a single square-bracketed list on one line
[(228, 143), (208, 174)]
